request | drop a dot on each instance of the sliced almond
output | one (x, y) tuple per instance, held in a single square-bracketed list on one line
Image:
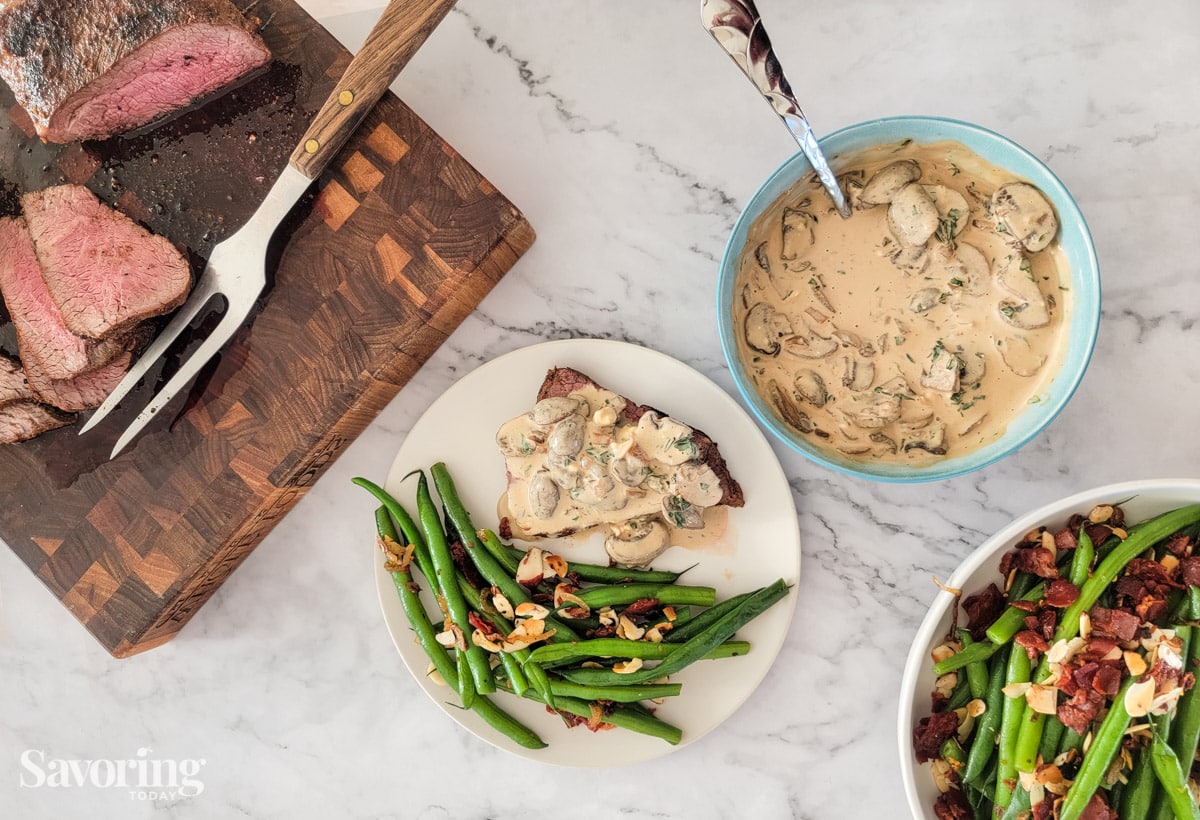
[(1100, 513), (1042, 699), (503, 606), (555, 564), (627, 667), (446, 638), (530, 570), (572, 605), (607, 615), (434, 675), (1049, 543), (976, 707), (627, 629), (1139, 698), (528, 609), (946, 683), (655, 634), (941, 772), (943, 652), (481, 640), (669, 613), (1085, 626), (1135, 663), (1016, 690), (1120, 533), (965, 724)]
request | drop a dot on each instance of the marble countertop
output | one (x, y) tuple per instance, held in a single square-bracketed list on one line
[(631, 143)]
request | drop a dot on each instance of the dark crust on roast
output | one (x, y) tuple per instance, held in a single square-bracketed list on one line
[(563, 381), (13, 384), (23, 420), (52, 49)]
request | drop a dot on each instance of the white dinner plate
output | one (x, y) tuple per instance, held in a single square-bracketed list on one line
[(762, 542)]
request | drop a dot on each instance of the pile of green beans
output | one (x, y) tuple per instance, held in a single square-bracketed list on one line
[(1009, 742), (570, 672)]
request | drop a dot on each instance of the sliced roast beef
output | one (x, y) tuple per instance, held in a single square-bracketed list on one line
[(83, 392), (89, 69), (104, 271), (13, 384), (43, 339), (21, 420)]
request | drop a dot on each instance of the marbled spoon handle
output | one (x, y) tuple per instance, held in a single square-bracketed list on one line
[(737, 26)]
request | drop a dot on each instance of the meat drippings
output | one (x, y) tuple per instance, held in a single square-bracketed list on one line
[(918, 328)]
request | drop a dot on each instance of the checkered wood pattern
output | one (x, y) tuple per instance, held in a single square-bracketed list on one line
[(401, 242)]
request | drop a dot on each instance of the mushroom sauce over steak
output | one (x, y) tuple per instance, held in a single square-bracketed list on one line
[(90, 69)]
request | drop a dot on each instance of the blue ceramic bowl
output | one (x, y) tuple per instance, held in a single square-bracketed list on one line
[(1083, 320)]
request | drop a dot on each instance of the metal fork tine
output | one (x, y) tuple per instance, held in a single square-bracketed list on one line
[(205, 289), (233, 318)]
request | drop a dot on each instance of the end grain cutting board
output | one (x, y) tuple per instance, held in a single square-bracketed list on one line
[(401, 241)]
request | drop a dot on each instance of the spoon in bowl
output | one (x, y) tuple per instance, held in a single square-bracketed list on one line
[(737, 26)]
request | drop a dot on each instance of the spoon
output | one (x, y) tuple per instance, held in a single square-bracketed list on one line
[(737, 26)]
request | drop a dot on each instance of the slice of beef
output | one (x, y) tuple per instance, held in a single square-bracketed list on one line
[(563, 381), (42, 337), (21, 420), (83, 392), (13, 384), (105, 272), (89, 69)]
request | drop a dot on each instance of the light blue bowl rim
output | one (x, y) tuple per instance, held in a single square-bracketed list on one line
[(1075, 240)]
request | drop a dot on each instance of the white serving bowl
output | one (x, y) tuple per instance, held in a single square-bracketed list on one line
[(1140, 500)]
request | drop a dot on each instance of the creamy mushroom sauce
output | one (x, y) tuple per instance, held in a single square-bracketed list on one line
[(577, 463), (918, 328)]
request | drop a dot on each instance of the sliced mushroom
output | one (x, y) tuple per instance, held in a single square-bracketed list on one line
[(517, 438), (555, 408), (764, 327), (885, 441), (682, 514), (1026, 215), (811, 346), (637, 542), (969, 270), (664, 439), (881, 189), (1027, 308), (600, 492), (798, 233), (567, 436), (913, 416), (1020, 357), (857, 374), (953, 211), (543, 495), (930, 438), (629, 470), (924, 300), (912, 216), (875, 410), (910, 260), (696, 483), (763, 257), (974, 366), (811, 387), (787, 408)]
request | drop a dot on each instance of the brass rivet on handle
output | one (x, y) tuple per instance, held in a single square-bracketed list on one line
[(346, 97), (311, 146)]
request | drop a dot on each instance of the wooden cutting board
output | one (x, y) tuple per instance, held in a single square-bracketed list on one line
[(400, 240)]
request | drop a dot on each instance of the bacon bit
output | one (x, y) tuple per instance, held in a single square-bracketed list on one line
[(1189, 570), (1079, 712), (1037, 561), (641, 606), (1097, 809), (952, 805), (1179, 545), (1107, 680), (1099, 533), (1033, 643), (1024, 606), (1150, 571), (1061, 593), (1066, 540), (983, 608), (1114, 623), (931, 732)]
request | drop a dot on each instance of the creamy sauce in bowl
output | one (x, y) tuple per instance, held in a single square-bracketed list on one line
[(919, 328)]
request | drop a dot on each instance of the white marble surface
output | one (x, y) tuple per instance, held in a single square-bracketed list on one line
[(631, 142)]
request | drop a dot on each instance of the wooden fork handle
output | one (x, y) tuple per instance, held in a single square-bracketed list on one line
[(401, 30)]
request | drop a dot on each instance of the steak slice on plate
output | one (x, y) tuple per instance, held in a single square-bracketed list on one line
[(90, 69), (21, 420), (13, 384), (43, 339), (105, 272)]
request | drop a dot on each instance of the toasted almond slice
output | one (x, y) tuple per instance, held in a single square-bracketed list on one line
[(627, 629), (555, 565), (503, 606), (946, 683), (534, 626), (1049, 543), (965, 724), (976, 707), (528, 609), (1100, 513), (655, 634), (481, 640), (942, 652), (607, 615), (1028, 780), (1033, 536), (1016, 690), (1169, 561), (434, 675), (530, 570), (1113, 654), (445, 638), (626, 667), (669, 613), (941, 772), (1139, 698), (1120, 533), (1135, 663), (1085, 626), (1042, 699), (572, 605)]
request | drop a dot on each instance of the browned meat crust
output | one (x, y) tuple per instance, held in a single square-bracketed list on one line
[(563, 381), (21, 420)]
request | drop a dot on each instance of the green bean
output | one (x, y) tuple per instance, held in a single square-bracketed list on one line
[(666, 594), (1172, 779), (570, 651), (410, 602), (504, 555), (540, 681), (625, 716), (491, 570), (445, 571), (407, 525), (1185, 727), (1022, 582), (1010, 727), (1029, 740), (516, 676), (681, 632), (977, 676), (601, 574), (466, 682), (1018, 807), (1071, 741), (1141, 538), (1138, 797), (1012, 620), (1106, 742), (1051, 737), (974, 653), (1081, 561), (961, 694), (988, 723), (692, 649), (616, 694)]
